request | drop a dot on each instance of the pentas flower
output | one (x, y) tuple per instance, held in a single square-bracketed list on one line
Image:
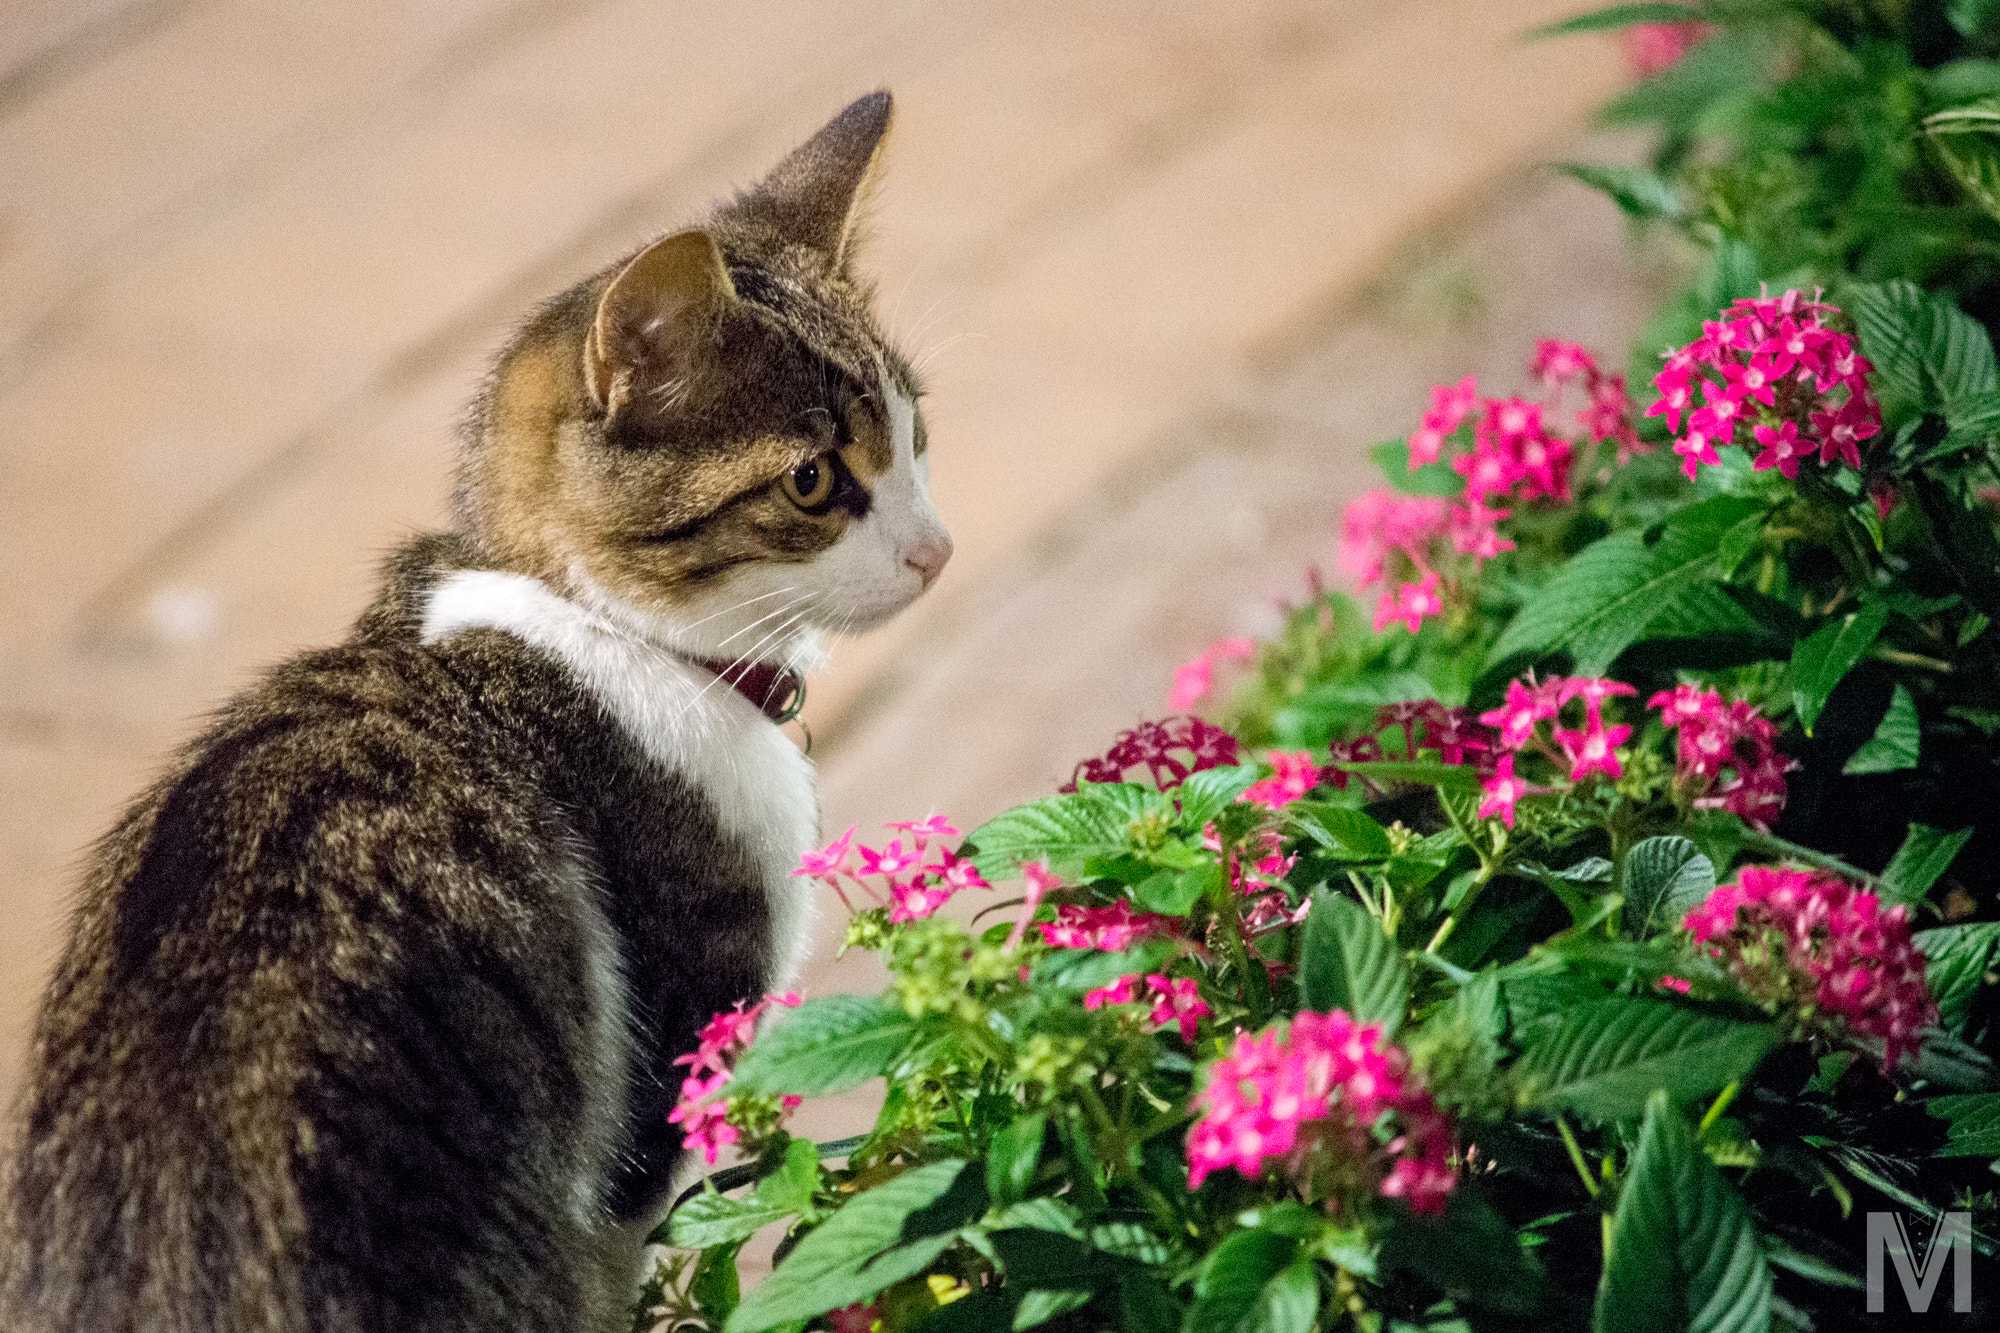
[(1036, 879), (1809, 944), (1167, 750), (1502, 790), (1292, 776), (1779, 367), (1195, 679), (1328, 1103), (700, 1113), (913, 880), (1176, 1001), (1449, 407), (1114, 929), (1715, 737)]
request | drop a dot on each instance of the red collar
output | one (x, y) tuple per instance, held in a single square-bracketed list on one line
[(779, 692)]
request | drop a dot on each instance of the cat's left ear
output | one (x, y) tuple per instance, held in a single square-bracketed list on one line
[(813, 197)]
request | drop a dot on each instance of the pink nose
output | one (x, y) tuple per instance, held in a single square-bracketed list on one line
[(929, 558)]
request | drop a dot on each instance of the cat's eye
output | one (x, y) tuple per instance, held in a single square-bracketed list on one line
[(810, 485)]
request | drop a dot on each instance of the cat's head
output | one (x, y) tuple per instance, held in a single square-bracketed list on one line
[(710, 440)]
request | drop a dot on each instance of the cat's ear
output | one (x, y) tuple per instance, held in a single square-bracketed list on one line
[(812, 198), (653, 316)]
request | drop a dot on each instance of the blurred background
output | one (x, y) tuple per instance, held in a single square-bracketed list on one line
[(1169, 269)]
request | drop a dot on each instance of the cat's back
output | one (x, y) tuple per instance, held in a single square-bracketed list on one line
[(342, 968)]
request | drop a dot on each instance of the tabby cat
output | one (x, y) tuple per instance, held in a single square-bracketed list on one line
[(369, 1015)]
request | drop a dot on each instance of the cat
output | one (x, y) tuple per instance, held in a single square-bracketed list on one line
[(369, 1014)]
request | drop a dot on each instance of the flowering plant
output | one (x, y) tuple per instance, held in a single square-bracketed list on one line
[(1590, 933)]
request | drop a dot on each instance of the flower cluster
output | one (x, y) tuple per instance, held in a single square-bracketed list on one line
[(1775, 365), (1176, 1001), (914, 880), (1195, 679), (1714, 736), (1423, 724), (1113, 929), (1415, 541), (1577, 752), (1314, 1100), (701, 1114), (1168, 750), (1808, 942)]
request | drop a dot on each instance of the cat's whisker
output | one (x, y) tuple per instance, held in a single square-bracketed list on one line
[(931, 353), (768, 615), (747, 601), (747, 656)]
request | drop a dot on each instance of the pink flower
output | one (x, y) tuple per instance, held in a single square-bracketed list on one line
[(1475, 530), (1782, 449), (830, 860), (1114, 929), (1517, 717), (1037, 881), (891, 860), (1168, 751), (1176, 1002), (1121, 991), (1318, 1093), (1412, 602), (1713, 737), (1194, 680), (1557, 363), (1449, 406), (1502, 790), (1776, 363), (1593, 750), (921, 831), (718, 1046), (1292, 776), (1805, 942)]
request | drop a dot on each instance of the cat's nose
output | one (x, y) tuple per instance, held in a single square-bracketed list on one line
[(929, 556)]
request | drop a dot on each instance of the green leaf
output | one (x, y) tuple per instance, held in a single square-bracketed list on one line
[(876, 1239), (1820, 662), (1471, 1253), (1894, 746), (1920, 862), (1964, 138), (1974, 1118), (1601, 600), (1012, 1157), (1421, 772), (1095, 820), (1607, 1056), (1130, 1240), (1393, 457), (1206, 794), (1074, 971), (1971, 17), (1618, 16), (1665, 878), (796, 1180), (1231, 1287), (1638, 192), (1958, 961), (1041, 1305), (1345, 832), (1683, 1254), (1175, 892), (1346, 962), (1924, 345), (827, 1045), (710, 1219)]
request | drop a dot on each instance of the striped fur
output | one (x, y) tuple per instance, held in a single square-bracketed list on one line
[(369, 1013)]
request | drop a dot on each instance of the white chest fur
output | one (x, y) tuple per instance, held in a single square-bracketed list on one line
[(681, 716)]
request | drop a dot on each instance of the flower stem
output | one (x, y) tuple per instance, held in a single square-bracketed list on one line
[(1576, 1156), (1771, 842), (1715, 1110)]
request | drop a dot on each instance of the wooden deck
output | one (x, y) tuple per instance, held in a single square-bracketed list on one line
[(253, 255)]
